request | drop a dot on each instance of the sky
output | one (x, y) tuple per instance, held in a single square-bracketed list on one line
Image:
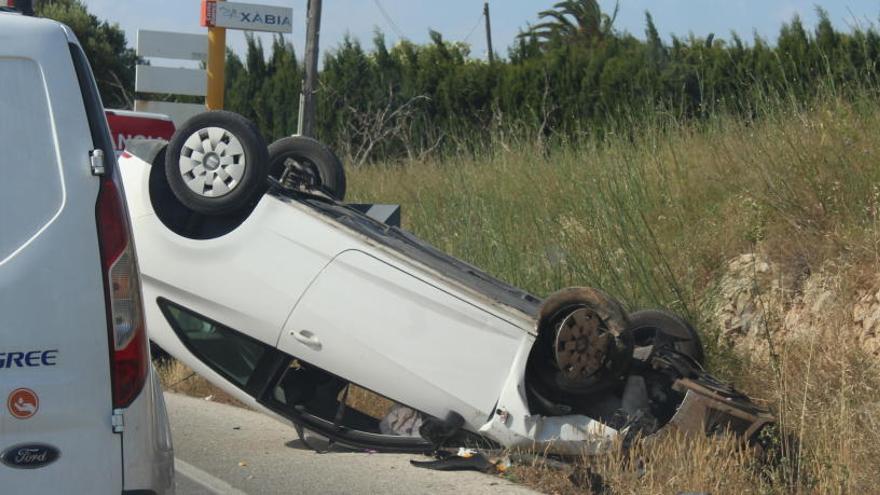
[(460, 20)]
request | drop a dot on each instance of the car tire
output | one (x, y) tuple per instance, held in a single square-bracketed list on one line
[(217, 163), (613, 320), (315, 164), (646, 325)]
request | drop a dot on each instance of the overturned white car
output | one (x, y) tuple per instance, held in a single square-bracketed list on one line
[(288, 299)]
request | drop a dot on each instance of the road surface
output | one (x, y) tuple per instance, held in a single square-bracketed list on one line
[(221, 449)]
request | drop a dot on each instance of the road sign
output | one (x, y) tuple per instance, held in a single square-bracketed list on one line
[(169, 80), (178, 112), (167, 44), (246, 16)]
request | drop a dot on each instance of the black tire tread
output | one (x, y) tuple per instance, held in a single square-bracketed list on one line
[(253, 183), (329, 165), (673, 325)]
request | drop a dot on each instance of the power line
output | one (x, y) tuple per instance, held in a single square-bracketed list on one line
[(476, 24), (389, 20)]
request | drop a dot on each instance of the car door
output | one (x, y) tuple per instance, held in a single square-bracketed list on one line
[(55, 381), (393, 332)]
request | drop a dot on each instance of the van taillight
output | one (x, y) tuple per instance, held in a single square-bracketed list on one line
[(129, 356)]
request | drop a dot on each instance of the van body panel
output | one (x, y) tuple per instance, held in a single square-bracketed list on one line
[(51, 284)]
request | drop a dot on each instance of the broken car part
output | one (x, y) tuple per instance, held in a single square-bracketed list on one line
[(446, 461), (651, 327)]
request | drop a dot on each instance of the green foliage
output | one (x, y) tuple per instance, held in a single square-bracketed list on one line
[(573, 21), (266, 92), (652, 215), (574, 86), (569, 77), (105, 46)]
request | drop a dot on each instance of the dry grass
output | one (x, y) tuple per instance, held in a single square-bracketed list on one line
[(826, 399), (672, 465), (177, 377), (367, 402), (651, 215)]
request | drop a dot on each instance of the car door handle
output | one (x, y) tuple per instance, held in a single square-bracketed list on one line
[(306, 337)]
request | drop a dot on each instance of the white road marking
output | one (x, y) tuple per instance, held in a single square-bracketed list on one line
[(205, 479)]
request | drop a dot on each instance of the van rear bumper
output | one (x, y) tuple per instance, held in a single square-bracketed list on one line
[(148, 455)]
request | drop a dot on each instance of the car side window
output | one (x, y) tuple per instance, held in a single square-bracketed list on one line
[(232, 354)]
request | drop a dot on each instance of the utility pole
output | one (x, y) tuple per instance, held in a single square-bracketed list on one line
[(488, 31), (306, 121)]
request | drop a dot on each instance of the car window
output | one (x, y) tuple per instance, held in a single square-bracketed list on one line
[(31, 191), (226, 351)]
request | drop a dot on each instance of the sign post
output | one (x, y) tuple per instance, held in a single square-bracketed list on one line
[(218, 16), (216, 67)]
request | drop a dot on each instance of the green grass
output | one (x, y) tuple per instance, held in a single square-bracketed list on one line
[(651, 214)]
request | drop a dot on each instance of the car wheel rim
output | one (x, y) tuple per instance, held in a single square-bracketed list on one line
[(582, 343), (212, 162)]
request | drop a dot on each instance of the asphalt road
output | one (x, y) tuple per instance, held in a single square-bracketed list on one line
[(221, 449)]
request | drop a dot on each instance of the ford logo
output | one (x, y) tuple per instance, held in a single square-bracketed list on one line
[(29, 456)]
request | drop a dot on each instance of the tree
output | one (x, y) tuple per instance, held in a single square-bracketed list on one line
[(656, 51), (105, 46), (573, 22), (265, 92)]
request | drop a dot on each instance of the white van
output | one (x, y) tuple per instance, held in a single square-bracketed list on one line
[(81, 410)]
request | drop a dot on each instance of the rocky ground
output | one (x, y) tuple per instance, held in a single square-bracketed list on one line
[(757, 304)]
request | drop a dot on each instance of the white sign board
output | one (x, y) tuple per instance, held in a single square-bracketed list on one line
[(167, 44), (170, 80), (247, 16), (179, 112)]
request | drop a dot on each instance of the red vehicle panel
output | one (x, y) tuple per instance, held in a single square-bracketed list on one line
[(125, 125)]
